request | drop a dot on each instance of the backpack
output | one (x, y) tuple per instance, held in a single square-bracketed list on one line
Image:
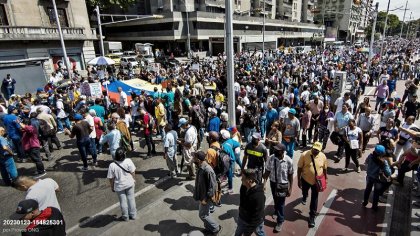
[(223, 161), (45, 129), (124, 142), (199, 117)]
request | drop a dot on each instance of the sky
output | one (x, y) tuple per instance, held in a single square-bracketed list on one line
[(413, 6)]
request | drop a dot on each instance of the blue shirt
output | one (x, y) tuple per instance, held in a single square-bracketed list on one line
[(214, 124), (113, 139), (272, 115), (229, 146), (343, 119), (373, 168), (12, 127)]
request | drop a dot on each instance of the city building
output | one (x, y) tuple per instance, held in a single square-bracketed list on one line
[(344, 20), (30, 46), (206, 25)]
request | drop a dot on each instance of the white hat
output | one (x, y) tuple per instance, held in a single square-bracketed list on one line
[(225, 134)]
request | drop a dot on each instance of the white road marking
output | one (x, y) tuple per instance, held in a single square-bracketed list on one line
[(323, 212), (112, 207)]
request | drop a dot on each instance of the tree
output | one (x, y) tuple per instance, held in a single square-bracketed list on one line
[(393, 26), (109, 4)]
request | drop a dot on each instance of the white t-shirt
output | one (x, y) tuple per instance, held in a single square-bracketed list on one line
[(134, 106), (353, 136), (123, 99), (236, 87), (43, 191), (339, 104), (89, 119), (122, 179), (283, 112), (406, 126), (191, 136)]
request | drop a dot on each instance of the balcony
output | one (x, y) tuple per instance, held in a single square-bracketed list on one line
[(44, 33)]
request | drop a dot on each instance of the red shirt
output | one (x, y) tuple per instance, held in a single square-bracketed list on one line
[(30, 138), (146, 120)]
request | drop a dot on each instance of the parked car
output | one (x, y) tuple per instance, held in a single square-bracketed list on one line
[(147, 59), (116, 58), (130, 54), (126, 60)]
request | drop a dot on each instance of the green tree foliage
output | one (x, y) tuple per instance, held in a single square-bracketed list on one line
[(109, 4), (393, 26)]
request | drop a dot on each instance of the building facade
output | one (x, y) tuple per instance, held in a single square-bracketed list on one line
[(344, 20), (206, 26), (28, 32)]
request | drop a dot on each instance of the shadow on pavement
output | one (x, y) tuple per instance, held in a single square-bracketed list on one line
[(183, 203), (233, 213), (170, 227), (98, 222)]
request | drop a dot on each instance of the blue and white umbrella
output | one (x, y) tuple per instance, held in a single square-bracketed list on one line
[(101, 61)]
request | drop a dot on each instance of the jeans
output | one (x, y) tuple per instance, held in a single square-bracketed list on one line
[(248, 134), (230, 173), (60, 122), (17, 143), (313, 126), (84, 145), (290, 147), (92, 148), (238, 159), (34, 154), (314, 196), (379, 102), (162, 132), (9, 92), (201, 132), (127, 202), (245, 229), (98, 146), (172, 164), (324, 134), (46, 146), (379, 189), (134, 123), (278, 203), (8, 169), (366, 138), (204, 214)]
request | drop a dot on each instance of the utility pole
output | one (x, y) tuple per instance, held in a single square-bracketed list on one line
[(188, 38), (372, 36), (101, 40), (408, 27), (384, 34), (60, 33), (229, 62), (263, 31), (402, 25)]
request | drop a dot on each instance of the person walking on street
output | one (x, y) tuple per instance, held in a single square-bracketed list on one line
[(382, 92), (7, 164), (341, 121), (280, 170), (310, 161), (31, 145), (14, 132), (170, 146), (251, 206), (366, 123), (353, 141), (145, 122), (189, 145), (204, 192), (378, 174), (255, 155), (291, 129), (325, 116), (112, 137)]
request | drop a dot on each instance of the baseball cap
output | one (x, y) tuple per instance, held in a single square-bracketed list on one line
[(39, 89), (182, 122), (78, 117), (280, 147), (24, 207), (379, 149), (292, 111), (10, 109), (256, 135), (317, 146)]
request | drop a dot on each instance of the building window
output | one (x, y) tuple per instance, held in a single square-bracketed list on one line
[(3, 16), (61, 15)]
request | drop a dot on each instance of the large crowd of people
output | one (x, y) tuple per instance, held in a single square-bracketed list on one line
[(285, 100)]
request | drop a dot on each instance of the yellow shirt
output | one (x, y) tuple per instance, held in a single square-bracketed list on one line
[(220, 98), (211, 156), (305, 163), (160, 114)]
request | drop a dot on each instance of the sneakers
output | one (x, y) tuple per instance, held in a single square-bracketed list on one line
[(311, 221), (278, 227), (95, 163), (303, 201), (84, 169), (345, 169), (364, 204), (212, 209), (230, 191), (358, 169), (122, 218)]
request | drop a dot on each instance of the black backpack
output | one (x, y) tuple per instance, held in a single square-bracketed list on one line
[(222, 162), (45, 129)]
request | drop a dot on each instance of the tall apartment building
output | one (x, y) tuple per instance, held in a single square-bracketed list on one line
[(29, 40), (206, 20), (344, 19)]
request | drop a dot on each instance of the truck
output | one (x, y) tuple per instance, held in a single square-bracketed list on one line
[(113, 48), (144, 49)]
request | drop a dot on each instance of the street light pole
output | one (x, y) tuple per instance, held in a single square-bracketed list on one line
[(60, 33), (408, 27), (384, 34), (188, 37), (372, 36), (263, 45), (101, 40), (229, 62)]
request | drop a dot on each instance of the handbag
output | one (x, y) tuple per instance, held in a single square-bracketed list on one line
[(320, 181), (281, 189)]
